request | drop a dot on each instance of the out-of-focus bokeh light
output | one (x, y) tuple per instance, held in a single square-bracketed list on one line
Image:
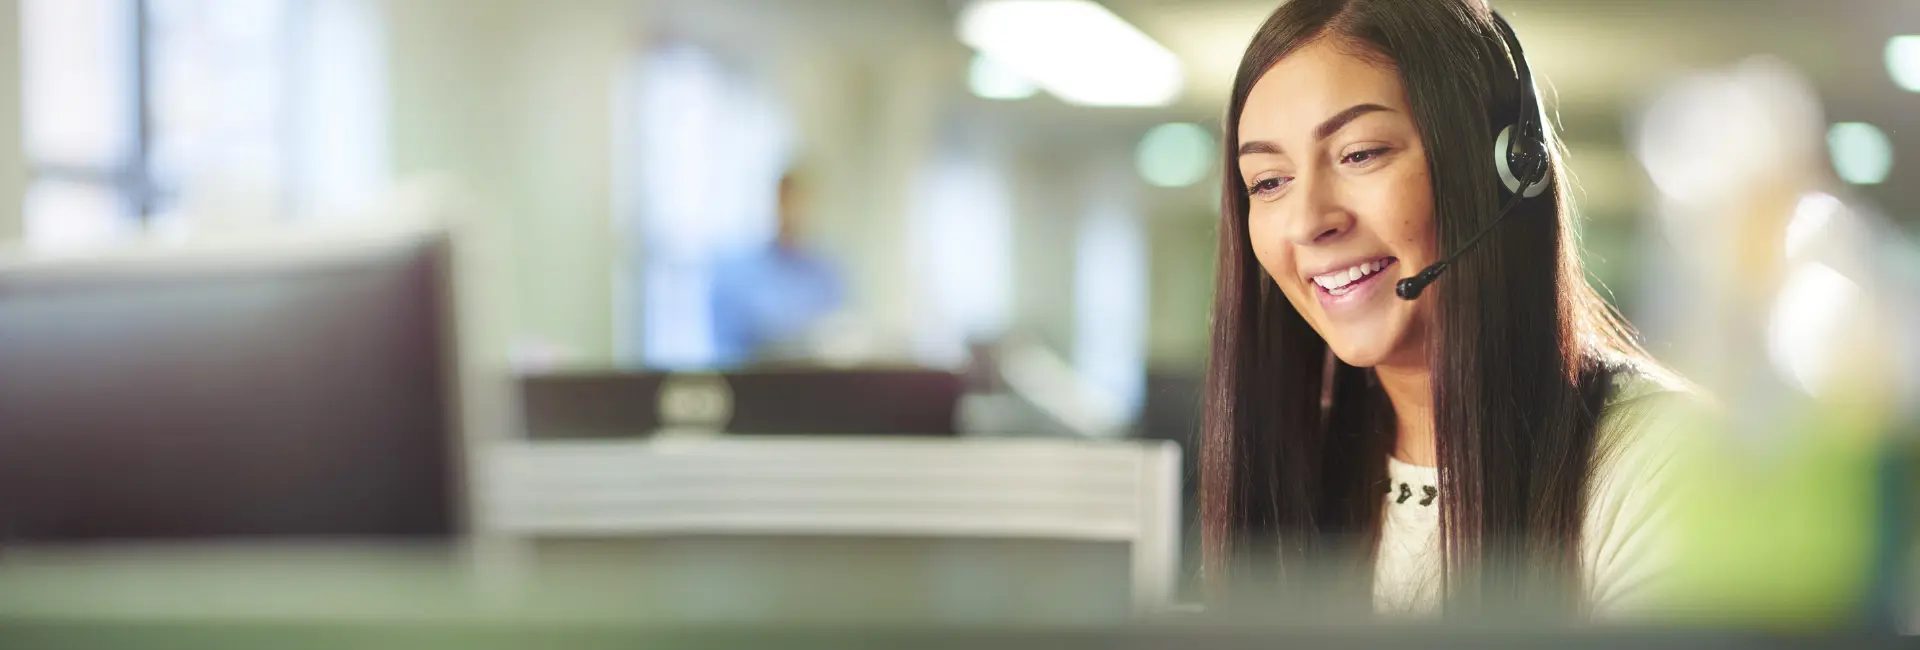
[(1175, 155), (1862, 155), (1903, 61), (1076, 49), (1810, 217), (1807, 324), (1709, 137), (990, 80)]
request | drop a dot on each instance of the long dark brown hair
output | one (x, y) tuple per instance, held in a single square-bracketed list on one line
[(1521, 350)]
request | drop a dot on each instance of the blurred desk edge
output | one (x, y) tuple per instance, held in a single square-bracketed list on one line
[(1124, 491)]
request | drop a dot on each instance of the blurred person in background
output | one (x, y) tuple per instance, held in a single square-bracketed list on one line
[(773, 295), (1502, 442)]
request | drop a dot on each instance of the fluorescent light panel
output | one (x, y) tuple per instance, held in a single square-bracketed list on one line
[(1075, 49)]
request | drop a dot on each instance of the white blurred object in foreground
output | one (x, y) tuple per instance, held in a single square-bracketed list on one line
[(1772, 263)]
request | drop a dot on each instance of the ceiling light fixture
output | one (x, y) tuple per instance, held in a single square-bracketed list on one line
[(1075, 49)]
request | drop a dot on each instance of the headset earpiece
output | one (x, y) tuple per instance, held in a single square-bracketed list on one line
[(1522, 163), (1520, 153)]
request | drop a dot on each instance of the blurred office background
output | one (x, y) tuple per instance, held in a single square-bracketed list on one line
[(1040, 217), (613, 151)]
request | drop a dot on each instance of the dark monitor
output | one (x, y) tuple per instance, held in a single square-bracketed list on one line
[(907, 402), (256, 393)]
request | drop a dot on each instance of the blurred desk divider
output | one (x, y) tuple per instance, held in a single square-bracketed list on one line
[(771, 401), (248, 387), (862, 487), (701, 465)]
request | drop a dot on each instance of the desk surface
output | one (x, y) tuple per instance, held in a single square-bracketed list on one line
[(423, 598), (490, 635)]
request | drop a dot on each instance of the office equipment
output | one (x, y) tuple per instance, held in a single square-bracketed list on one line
[(897, 402), (285, 390)]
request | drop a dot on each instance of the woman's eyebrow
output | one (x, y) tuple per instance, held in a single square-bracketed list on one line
[(1342, 118), (1326, 129)]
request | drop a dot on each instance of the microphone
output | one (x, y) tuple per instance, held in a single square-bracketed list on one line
[(1410, 288)]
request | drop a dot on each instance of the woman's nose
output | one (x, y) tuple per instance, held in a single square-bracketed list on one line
[(1322, 216)]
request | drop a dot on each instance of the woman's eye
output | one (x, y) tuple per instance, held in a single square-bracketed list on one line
[(1268, 186), (1359, 157)]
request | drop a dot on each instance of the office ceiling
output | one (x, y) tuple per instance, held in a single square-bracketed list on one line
[(1601, 58), (1597, 53)]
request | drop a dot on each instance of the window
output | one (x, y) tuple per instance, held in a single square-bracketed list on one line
[(707, 148), (962, 250), (1110, 301), (217, 118), (138, 112), (79, 90)]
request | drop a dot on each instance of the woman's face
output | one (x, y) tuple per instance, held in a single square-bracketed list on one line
[(1339, 202)]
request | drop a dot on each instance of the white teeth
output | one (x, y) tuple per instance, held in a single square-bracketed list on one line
[(1337, 282)]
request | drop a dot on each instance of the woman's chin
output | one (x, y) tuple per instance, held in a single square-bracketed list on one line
[(1388, 340), (1361, 354)]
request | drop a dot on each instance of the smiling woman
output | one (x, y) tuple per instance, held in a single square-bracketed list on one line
[(1374, 170), (1516, 431)]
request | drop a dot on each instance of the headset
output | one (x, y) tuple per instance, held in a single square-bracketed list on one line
[(1520, 154)]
